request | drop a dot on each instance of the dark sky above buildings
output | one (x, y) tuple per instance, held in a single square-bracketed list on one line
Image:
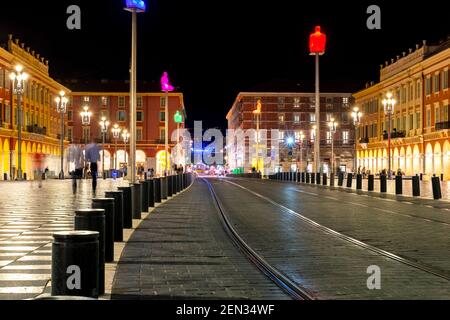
[(215, 49)]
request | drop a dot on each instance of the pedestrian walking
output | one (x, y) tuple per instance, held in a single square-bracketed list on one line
[(92, 156), (38, 167), (75, 159)]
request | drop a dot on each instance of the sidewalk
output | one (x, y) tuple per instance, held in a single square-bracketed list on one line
[(181, 251)]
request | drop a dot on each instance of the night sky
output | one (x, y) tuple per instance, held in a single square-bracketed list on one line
[(215, 49)]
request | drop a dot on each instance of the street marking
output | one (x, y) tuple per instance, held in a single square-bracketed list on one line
[(35, 258), (6, 290), (24, 276), (18, 248), (28, 267)]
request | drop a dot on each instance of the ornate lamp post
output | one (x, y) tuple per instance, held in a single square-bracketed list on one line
[(104, 128), (356, 115), (166, 87), (116, 135), (301, 138), (317, 41), (61, 108), (18, 78), (332, 125), (125, 137), (135, 7), (85, 121), (178, 118), (389, 104)]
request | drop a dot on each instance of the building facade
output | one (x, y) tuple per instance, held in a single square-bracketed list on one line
[(292, 114), (110, 99), (41, 123), (420, 143)]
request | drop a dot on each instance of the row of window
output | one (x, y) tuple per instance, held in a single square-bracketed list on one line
[(121, 115), (345, 136), (436, 83), (312, 117), (104, 101)]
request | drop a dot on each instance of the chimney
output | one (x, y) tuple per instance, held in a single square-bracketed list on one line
[(410, 50), (38, 55), (424, 42), (381, 66), (32, 53), (28, 49), (22, 45), (392, 61), (17, 41), (10, 36), (398, 57), (46, 62), (417, 47), (404, 53), (386, 63)]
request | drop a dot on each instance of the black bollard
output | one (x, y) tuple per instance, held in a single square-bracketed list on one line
[(303, 177), (151, 193), (359, 182), (107, 204), (383, 183), (340, 179), (75, 269), (157, 182), (164, 188), (127, 209), (371, 183), (94, 220), (318, 178), (324, 179), (144, 199), (436, 184), (313, 178), (299, 177), (349, 180), (421, 177), (398, 185), (307, 177), (118, 213), (25, 176), (416, 186), (137, 201), (174, 184), (169, 186), (332, 179)]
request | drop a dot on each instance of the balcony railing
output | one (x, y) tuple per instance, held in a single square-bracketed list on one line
[(364, 140), (36, 129), (394, 135), (442, 125)]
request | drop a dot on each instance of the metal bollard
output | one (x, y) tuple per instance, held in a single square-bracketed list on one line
[(164, 188), (349, 180), (169, 186), (416, 186), (75, 269), (157, 182), (303, 177), (371, 183), (332, 179), (107, 204), (144, 198), (179, 183), (324, 179), (383, 183), (174, 184), (5, 176), (299, 177), (340, 179), (151, 193), (398, 185), (137, 201), (127, 209), (318, 178), (421, 177), (118, 213), (436, 184), (94, 220), (313, 178), (25, 176), (359, 182)]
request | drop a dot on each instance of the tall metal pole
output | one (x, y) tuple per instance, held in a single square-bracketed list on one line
[(257, 142), (317, 139), (103, 154), (19, 131), (301, 156), (115, 154), (133, 98), (61, 175), (166, 132), (389, 146), (332, 152)]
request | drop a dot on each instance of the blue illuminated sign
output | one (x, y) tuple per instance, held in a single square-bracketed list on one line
[(135, 4)]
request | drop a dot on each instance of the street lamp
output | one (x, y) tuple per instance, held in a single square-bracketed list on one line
[(257, 113), (389, 104), (116, 135), (166, 87), (125, 137), (61, 107), (104, 128), (302, 137), (85, 121), (134, 6), (317, 41), (18, 78), (178, 119), (356, 115), (332, 125)]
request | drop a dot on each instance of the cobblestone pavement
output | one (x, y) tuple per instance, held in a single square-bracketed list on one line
[(181, 251), (335, 267), (28, 217)]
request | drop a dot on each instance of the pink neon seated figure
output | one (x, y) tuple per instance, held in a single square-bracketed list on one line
[(165, 85)]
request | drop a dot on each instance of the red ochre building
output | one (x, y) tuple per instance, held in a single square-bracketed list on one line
[(41, 122), (110, 99)]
